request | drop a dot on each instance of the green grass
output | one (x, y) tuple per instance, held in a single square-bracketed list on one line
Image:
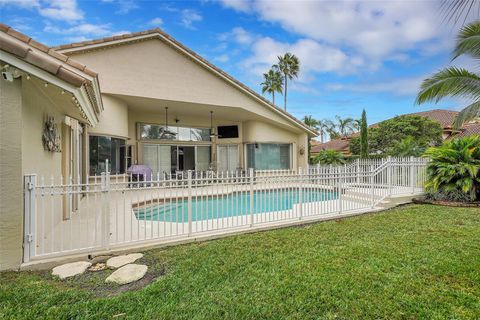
[(414, 262)]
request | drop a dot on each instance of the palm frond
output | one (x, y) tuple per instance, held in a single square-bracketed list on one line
[(467, 114), (468, 41), (451, 81)]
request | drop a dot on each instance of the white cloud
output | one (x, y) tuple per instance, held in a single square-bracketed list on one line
[(375, 30), (156, 22), (314, 57), (26, 4), (188, 17), (222, 58), (239, 35), (239, 5), (84, 29), (66, 10), (125, 6), (403, 86)]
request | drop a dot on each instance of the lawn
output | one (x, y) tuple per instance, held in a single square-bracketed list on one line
[(413, 262)]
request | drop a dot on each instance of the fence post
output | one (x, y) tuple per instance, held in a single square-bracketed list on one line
[(412, 174), (372, 183), (105, 187), (389, 175), (29, 217), (339, 190), (300, 193), (251, 197), (357, 170), (189, 175)]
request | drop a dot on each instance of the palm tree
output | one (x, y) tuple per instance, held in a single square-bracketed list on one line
[(345, 126), (456, 10), (457, 82), (273, 82), (312, 123), (455, 165), (322, 128), (289, 66)]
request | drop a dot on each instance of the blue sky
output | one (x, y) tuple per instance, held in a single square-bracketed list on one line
[(353, 54)]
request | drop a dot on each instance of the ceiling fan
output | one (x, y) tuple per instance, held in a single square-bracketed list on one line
[(166, 133), (212, 129)]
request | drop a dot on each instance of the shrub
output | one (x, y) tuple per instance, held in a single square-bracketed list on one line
[(455, 167), (452, 195), (329, 157)]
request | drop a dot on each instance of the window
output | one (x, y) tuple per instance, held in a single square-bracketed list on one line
[(268, 156), (103, 148), (160, 132)]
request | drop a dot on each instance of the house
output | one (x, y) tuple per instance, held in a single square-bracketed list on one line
[(150, 101), (444, 117)]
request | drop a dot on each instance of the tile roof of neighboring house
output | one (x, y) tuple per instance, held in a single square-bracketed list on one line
[(468, 130), (51, 61), (336, 144), (444, 117), (79, 46)]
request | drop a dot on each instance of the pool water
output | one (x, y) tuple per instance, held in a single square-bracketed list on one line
[(231, 205)]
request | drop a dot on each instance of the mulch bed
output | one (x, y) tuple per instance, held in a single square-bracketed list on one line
[(448, 203)]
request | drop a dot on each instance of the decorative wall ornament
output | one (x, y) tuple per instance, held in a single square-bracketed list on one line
[(51, 136), (301, 150)]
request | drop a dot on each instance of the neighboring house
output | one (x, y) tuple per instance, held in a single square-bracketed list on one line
[(55, 121), (444, 117)]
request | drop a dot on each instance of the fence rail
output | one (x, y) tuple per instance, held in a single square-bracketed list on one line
[(62, 217)]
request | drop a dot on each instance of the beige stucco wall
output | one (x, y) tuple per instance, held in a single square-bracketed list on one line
[(114, 118), (35, 107), (11, 184)]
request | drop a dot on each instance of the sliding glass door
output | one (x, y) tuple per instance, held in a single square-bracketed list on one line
[(167, 158), (228, 157)]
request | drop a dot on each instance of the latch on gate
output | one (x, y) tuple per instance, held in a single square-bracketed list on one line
[(30, 186), (29, 237)]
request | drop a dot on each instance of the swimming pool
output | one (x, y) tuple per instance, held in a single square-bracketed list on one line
[(230, 205)]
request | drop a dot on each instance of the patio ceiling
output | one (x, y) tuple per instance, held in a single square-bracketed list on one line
[(179, 108)]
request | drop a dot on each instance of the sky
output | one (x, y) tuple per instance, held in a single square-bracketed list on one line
[(354, 55)]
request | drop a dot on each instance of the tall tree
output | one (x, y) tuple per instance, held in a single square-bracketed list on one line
[(272, 82), (363, 135), (345, 126), (312, 123), (457, 82), (322, 128), (289, 66)]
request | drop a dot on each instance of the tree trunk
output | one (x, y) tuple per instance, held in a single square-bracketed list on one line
[(273, 98), (285, 95), (321, 136)]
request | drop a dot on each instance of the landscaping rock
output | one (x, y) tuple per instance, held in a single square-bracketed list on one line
[(98, 267), (127, 274), (98, 259), (117, 262), (70, 269)]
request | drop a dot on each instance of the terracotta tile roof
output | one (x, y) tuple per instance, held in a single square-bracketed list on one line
[(27, 50), (444, 117), (336, 144), (80, 46), (468, 130), (51, 61)]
